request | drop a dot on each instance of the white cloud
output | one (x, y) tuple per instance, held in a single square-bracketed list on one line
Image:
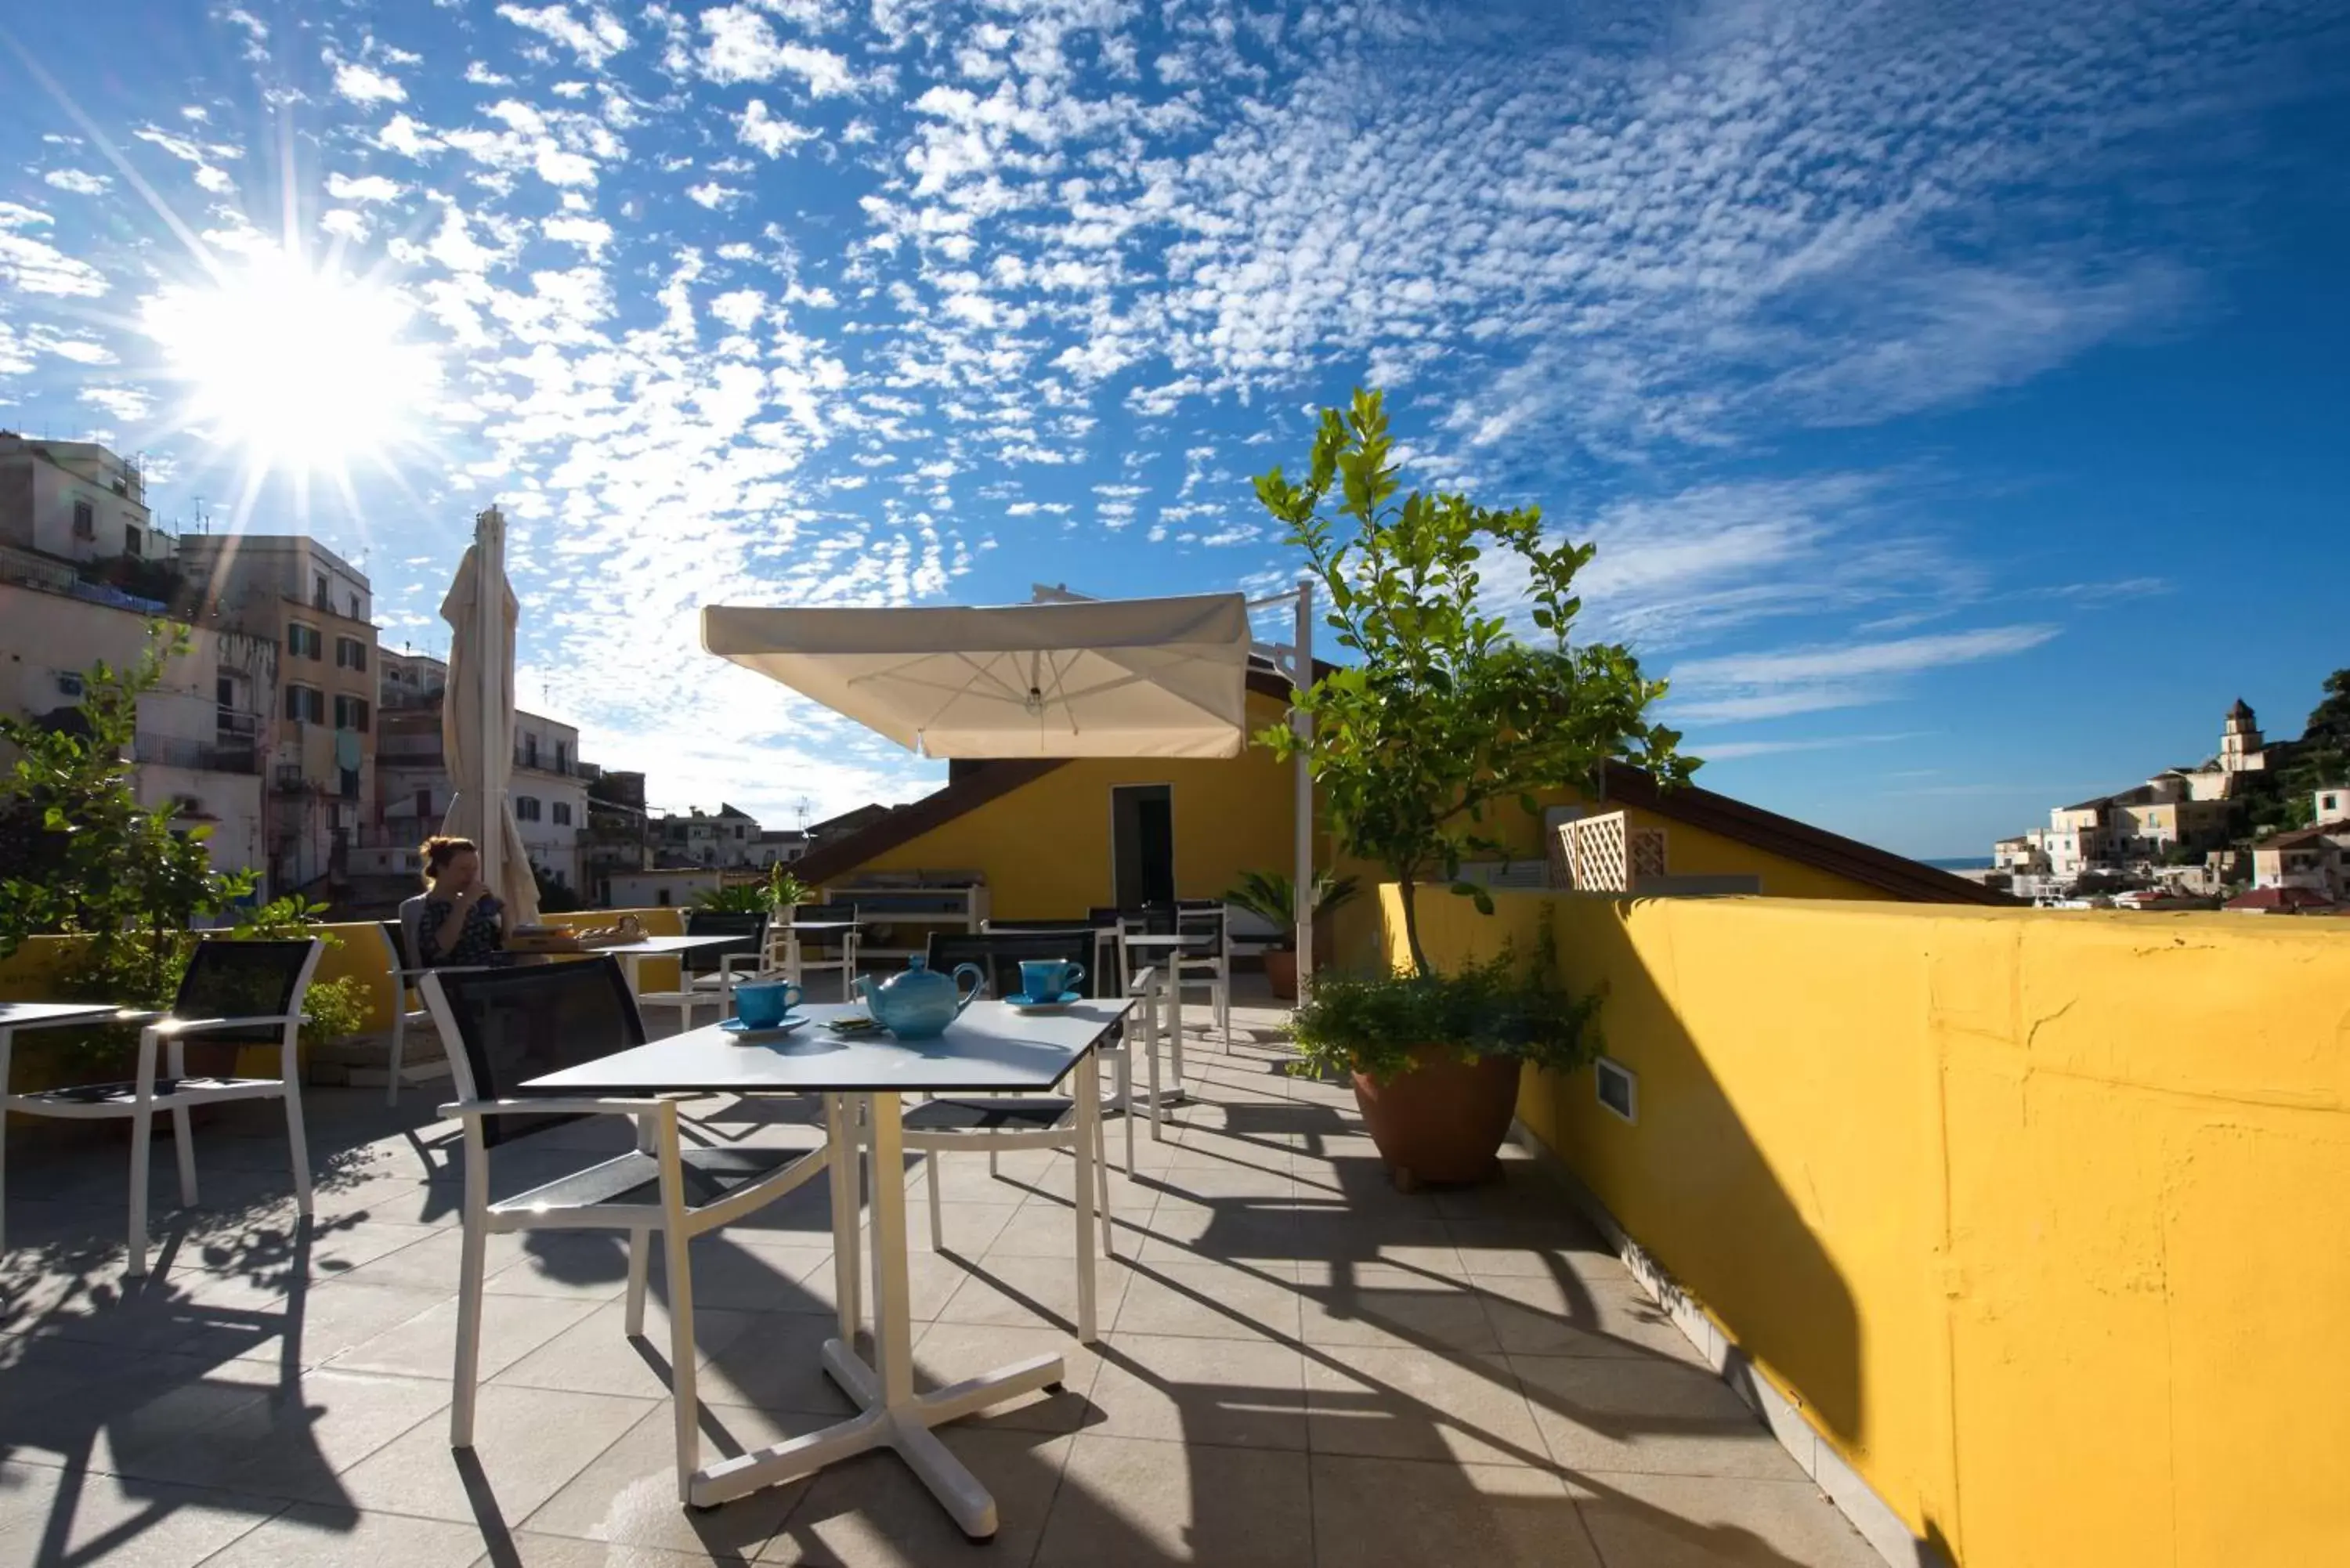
[(595, 40), (78, 181), (713, 195), (770, 133), (1733, 751), (1775, 683), (742, 47), (33, 265), (365, 84), (365, 187)]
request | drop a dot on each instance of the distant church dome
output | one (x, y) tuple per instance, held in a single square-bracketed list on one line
[(2241, 713)]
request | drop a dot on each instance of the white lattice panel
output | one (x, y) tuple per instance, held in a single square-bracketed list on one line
[(1608, 855)]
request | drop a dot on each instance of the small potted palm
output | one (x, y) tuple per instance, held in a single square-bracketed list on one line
[(1272, 898), (1458, 701)]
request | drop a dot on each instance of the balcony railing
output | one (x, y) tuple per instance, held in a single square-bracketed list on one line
[(203, 756)]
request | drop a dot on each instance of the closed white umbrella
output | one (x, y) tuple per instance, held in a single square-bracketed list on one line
[(477, 716), (1131, 677)]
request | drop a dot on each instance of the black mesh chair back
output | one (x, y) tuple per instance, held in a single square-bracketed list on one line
[(998, 955), (749, 931), (515, 1024), (395, 937), (243, 980)]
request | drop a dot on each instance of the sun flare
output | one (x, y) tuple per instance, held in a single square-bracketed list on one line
[(299, 365)]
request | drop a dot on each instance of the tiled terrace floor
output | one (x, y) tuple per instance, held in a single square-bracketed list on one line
[(1299, 1365)]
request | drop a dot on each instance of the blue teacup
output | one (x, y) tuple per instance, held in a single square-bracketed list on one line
[(1044, 979), (762, 1004)]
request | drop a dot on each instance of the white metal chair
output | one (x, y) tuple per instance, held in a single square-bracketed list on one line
[(713, 988), (791, 956), (399, 948), (1210, 967), (997, 1123), (245, 993), (507, 1025)]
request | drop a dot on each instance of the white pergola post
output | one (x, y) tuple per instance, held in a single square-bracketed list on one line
[(1302, 723)]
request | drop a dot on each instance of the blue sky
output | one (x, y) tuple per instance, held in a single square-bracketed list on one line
[(1955, 393)]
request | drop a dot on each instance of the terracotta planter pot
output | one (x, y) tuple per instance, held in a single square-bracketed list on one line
[(1444, 1120), (1281, 973)]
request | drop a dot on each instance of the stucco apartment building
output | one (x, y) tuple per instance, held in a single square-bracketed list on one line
[(549, 782), (317, 607), (2187, 808), (75, 501), (203, 734)]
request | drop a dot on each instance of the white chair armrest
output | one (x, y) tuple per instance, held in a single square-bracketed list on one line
[(1143, 982), (171, 1026)]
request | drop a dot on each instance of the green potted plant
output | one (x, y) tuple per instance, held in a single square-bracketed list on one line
[(781, 891), (124, 882), (1458, 701), (1272, 897)]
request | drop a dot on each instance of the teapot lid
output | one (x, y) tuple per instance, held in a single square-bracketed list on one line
[(916, 960)]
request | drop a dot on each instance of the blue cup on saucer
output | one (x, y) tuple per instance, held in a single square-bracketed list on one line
[(762, 1004), (1044, 980)]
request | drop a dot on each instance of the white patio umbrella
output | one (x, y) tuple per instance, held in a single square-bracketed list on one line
[(1132, 678), (1071, 677), (477, 716)]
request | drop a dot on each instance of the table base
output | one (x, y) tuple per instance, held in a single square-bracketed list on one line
[(904, 1427)]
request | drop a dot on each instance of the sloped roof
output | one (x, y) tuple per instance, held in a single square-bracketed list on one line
[(1895, 875), (2285, 900)]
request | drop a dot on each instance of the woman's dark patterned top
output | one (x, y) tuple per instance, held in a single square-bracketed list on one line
[(482, 942)]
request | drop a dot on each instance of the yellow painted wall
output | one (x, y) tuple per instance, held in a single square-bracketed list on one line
[(358, 951), (2037, 1214), (1045, 848)]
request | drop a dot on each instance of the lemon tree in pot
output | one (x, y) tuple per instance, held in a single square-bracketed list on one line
[(1459, 699)]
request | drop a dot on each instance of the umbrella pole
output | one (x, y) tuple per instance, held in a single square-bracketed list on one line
[(488, 534)]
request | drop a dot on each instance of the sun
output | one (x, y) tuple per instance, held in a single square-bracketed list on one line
[(299, 365)]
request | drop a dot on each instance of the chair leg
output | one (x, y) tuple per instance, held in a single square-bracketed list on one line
[(1101, 1176), (7, 1044), (186, 1139), (640, 1253), (142, 1132), (471, 1257), (399, 1043), (1126, 1099), (297, 1144), (930, 1180), (142, 1127), (679, 1278), (992, 1168)]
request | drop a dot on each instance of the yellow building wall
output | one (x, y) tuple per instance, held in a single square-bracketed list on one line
[(357, 950), (1045, 851), (2035, 1214)]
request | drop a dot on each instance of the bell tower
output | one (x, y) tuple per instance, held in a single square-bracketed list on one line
[(2240, 746)]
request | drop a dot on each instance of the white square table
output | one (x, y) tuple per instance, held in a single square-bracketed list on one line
[(632, 954), (991, 1049)]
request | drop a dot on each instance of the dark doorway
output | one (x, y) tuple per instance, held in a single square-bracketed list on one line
[(1142, 838)]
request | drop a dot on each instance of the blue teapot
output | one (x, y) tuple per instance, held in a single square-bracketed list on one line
[(919, 1003)]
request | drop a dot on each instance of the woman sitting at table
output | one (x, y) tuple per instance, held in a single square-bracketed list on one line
[(463, 922)]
